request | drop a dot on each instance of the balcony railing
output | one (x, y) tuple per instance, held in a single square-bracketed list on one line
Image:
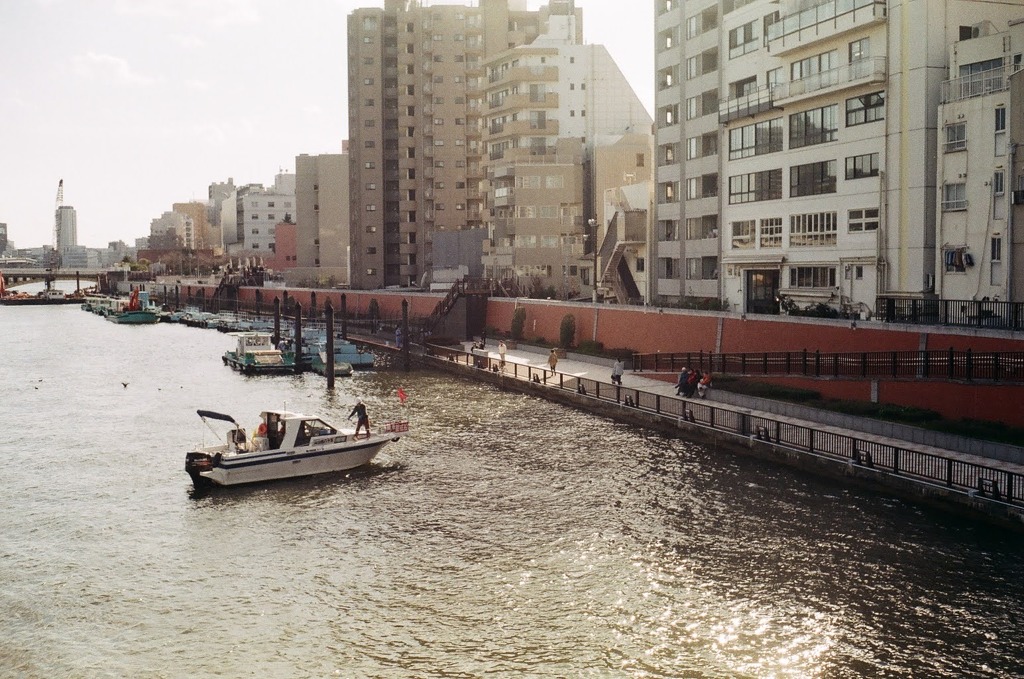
[(871, 69), (822, 20), (750, 104), (953, 312), (978, 84)]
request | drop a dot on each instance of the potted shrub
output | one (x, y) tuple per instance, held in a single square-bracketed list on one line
[(518, 323), (566, 334)]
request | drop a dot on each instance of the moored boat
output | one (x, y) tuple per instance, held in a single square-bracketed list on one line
[(255, 354), (285, 445), (136, 312)]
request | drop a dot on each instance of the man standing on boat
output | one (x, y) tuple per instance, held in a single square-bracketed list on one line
[(362, 420)]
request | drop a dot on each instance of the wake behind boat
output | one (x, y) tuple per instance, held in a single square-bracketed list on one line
[(285, 445)]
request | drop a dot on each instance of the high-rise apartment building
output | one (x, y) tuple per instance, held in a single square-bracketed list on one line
[(796, 141), (547, 106), (416, 74)]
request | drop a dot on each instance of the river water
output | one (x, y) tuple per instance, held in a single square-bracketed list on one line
[(504, 537)]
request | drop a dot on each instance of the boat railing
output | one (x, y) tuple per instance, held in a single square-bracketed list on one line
[(395, 427)]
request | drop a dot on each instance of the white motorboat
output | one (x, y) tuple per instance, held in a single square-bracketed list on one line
[(285, 445)]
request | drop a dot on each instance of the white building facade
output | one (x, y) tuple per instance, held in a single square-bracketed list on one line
[(827, 119), (976, 178)]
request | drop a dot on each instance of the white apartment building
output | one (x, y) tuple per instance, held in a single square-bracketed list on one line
[(249, 216), (823, 168), (979, 190)]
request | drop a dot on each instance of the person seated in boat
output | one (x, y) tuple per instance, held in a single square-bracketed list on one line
[(259, 437), (362, 420)]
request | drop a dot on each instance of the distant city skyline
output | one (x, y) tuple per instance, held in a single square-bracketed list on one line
[(139, 105)]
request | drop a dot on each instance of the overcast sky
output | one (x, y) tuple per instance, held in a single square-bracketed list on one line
[(138, 104)]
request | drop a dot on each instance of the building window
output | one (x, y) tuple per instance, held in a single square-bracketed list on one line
[(858, 167), (702, 268), (812, 277), (743, 234), (371, 208), (755, 186), (668, 230), (816, 126), (755, 139), (812, 179), (860, 49), (668, 267), (700, 228), (859, 221), (743, 39), (815, 65), (371, 186), (954, 197), (956, 137), (998, 183), (370, 250), (1001, 119), (866, 108), (816, 229), (705, 186), (771, 232), (996, 249)]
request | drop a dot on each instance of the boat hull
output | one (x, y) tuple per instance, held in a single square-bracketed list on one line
[(272, 465), (134, 318)]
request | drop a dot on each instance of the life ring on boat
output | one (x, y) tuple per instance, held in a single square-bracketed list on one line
[(261, 430)]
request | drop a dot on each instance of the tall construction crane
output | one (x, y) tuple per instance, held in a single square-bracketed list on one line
[(55, 255)]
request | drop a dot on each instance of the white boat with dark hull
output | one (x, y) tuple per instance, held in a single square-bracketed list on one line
[(285, 445)]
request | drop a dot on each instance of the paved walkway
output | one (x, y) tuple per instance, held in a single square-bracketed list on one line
[(600, 369)]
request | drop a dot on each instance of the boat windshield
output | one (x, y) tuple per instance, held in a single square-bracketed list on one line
[(312, 428)]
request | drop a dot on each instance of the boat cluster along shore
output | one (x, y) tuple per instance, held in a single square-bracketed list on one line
[(255, 352)]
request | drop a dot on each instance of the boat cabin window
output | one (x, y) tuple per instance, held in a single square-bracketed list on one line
[(313, 428)]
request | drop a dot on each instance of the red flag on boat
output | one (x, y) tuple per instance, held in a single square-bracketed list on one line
[(401, 396)]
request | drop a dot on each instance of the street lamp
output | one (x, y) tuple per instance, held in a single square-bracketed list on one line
[(593, 225)]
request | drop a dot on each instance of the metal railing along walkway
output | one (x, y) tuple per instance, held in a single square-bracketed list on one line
[(1006, 366)]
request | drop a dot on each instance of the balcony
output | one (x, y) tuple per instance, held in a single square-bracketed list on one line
[(524, 74), (978, 84), (750, 104), (854, 74), (824, 21)]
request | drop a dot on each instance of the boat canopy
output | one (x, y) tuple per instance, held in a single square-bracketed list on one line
[(216, 416)]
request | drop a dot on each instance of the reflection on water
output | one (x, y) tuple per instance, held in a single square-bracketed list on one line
[(505, 536)]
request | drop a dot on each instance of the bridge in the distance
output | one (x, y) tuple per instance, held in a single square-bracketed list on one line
[(23, 275)]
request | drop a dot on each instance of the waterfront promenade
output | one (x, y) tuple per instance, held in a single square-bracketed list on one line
[(947, 476)]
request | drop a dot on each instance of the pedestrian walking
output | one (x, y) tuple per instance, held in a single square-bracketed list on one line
[(501, 353), (617, 369), (553, 360)]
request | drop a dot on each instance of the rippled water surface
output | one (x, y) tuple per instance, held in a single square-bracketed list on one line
[(505, 537)]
